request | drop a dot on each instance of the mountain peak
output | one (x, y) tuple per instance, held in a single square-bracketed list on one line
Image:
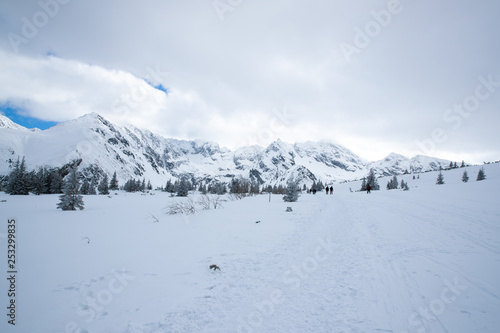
[(5, 122)]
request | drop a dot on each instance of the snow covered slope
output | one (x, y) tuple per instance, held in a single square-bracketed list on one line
[(423, 260), (105, 148)]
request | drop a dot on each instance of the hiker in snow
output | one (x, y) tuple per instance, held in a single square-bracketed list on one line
[(327, 190), (368, 188), (331, 189)]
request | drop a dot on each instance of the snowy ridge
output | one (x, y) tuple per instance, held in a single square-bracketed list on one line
[(135, 153), (398, 164), (9, 124)]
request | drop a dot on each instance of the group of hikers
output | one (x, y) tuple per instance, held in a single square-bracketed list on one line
[(327, 189), (330, 189)]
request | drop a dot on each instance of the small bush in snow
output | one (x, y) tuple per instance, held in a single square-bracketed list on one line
[(207, 202), (181, 207)]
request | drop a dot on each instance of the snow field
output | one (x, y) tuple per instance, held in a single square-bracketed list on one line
[(424, 260)]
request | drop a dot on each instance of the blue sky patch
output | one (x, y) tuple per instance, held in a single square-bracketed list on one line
[(15, 114)]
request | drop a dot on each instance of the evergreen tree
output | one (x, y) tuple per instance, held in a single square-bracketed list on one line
[(143, 185), (113, 184), (13, 183), (217, 188), (92, 188), (18, 183), (463, 164), (440, 179), (12, 178), (103, 187), (319, 186), (169, 187), (39, 182), (85, 189), (254, 187), (56, 182), (240, 186), (130, 185), (71, 199), (465, 177), (481, 175), (183, 188), (393, 183), (149, 187), (404, 185), (3, 183), (363, 184), (371, 180), (292, 192)]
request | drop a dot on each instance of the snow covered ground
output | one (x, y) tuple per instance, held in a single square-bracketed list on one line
[(424, 260)]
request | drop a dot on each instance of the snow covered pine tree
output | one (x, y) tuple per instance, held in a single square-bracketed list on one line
[(440, 179), (292, 192), (103, 187), (71, 199), (481, 175)]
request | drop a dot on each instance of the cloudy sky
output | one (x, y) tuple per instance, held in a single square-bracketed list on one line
[(413, 77)]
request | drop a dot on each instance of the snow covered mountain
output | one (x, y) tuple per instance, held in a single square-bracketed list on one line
[(103, 148), (395, 164)]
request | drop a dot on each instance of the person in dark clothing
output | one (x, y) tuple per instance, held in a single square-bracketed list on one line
[(368, 188), (331, 189), (327, 190)]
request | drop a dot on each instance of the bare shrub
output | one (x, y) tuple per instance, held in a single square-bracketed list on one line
[(207, 202), (187, 207)]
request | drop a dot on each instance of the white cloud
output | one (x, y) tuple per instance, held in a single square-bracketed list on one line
[(227, 78)]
